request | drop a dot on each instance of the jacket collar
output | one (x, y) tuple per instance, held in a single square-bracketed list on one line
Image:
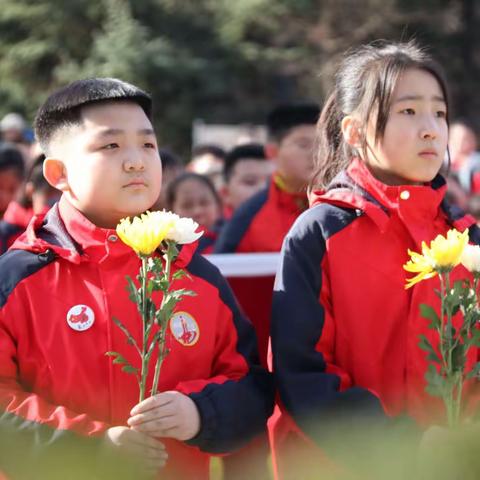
[(295, 202), (70, 235), (358, 188)]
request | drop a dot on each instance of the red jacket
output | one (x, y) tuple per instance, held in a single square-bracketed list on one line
[(260, 225), (53, 374), (345, 332)]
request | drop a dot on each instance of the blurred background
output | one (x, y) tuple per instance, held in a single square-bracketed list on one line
[(221, 62)]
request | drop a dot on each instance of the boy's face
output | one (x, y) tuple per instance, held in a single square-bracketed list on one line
[(294, 155), (10, 182), (248, 176), (111, 163)]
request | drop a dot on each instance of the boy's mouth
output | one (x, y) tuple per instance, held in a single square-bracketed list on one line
[(136, 182)]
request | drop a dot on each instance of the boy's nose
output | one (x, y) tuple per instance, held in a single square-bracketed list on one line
[(134, 162)]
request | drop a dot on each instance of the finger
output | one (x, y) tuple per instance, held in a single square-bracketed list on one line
[(156, 401), (154, 414), (145, 441), (157, 426)]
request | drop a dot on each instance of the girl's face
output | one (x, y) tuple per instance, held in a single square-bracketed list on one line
[(195, 200), (413, 147)]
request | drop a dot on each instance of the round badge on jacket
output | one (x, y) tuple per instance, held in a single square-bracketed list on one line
[(185, 329), (80, 318)]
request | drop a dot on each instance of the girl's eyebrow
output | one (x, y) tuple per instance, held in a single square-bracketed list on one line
[(435, 98)]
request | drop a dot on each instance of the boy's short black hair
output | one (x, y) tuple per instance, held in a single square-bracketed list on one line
[(285, 117), (12, 159), (247, 151), (205, 148), (64, 106)]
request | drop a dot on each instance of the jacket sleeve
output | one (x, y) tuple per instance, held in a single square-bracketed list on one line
[(318, 394), (236, 401), (26, 410)]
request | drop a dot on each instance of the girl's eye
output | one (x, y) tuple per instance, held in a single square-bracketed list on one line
[(110, 146), (408, 111), (149, 145), (441, 114)]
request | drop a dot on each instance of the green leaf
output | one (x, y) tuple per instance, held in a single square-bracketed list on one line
[(435, 382), (118, 359), (458, 358), (129, 369), (130, 339), (179, 274), (474, 372), (428, 312), (425, 344)]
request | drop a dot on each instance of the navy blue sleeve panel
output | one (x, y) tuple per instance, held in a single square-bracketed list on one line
[(15, 265), (233, 412), (308, 392), (474, 234), (7, 231), (235, 229)]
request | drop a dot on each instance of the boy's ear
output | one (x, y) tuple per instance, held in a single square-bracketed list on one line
[(55, 173), (352, 131)]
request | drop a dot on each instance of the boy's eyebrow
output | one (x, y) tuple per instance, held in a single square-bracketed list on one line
[(435, 98), (108, 132)]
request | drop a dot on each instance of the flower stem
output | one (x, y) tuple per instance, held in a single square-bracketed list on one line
[(163, 328), (144, 370)]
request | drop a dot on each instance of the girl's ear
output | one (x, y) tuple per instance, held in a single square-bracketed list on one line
[(352, 131), (55, 173)]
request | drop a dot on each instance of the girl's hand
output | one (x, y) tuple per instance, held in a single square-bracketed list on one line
[(170, 414)]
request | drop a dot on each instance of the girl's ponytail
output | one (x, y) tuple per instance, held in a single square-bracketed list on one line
[(330, 158)]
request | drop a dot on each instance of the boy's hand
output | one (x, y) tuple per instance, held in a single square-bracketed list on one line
[(170, 414), (150, 452)]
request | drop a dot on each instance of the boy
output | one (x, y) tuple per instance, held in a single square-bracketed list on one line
[(246, 172), (102, 154), (261, 223)]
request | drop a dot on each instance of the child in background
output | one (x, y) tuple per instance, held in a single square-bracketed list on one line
[(246, 172), (192, 195), (36, 198), (171, 168), (102, 154), (12, 171), (208, 160), (345, 331), (262, 222)]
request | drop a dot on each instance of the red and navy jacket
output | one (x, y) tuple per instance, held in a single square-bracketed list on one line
[(345, 331), (260, 225), (15, 220), (64, 270)]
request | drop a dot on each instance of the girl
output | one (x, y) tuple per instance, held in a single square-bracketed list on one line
[(193, 195), (344, 329)]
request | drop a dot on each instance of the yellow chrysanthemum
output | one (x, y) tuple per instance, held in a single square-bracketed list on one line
[(443, 254), (143, 234)]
